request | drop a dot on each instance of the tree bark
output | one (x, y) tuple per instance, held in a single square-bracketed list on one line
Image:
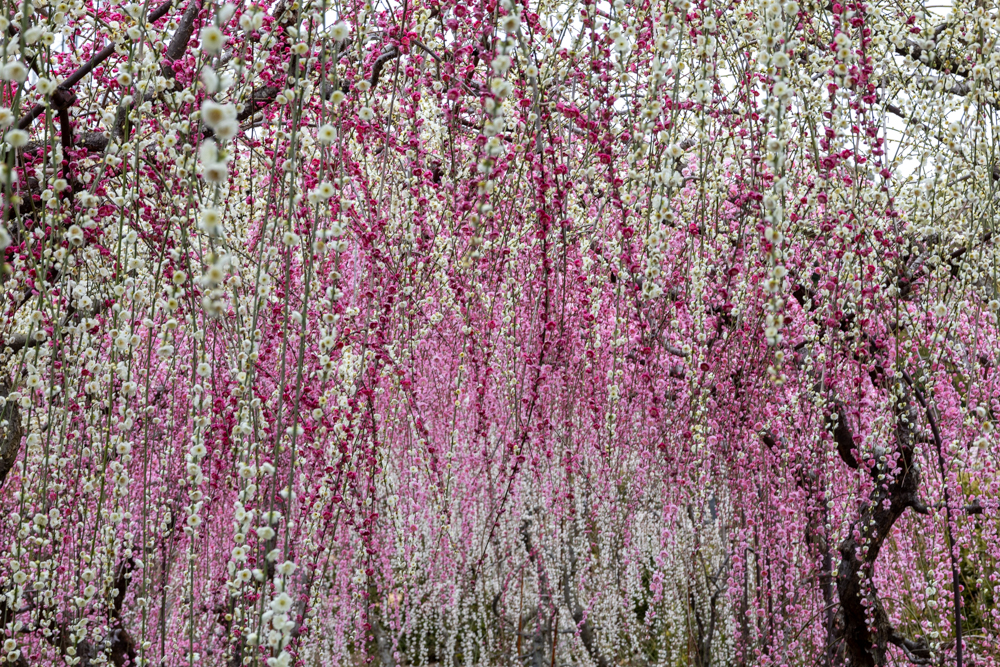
[(863, 622)]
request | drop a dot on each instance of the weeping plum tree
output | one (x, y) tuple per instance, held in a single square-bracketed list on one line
[(656, 332)]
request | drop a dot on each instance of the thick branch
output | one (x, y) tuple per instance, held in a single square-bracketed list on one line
[(972, 509), (896, 111), (387, 55), (583, 624), (864, 624), (17, 342), (10, 436), (88, 67), (917, 652), (671, 349), (944, 480), (842, 436), (260, 96), (62, 100), (817, 516), (542, 630), (176, 48), (178, 43), (118, 642), (933, 60), (121, 585)]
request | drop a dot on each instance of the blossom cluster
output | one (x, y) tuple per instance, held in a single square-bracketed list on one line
[(499, 332)]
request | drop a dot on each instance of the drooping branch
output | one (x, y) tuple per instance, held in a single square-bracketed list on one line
[(542, 629), (939, 445), (88, 67), (933, 59), (176, 48), (863, 621), (18, 342), (117, 644), (896, 111), (11, 433), (583, 624), (178, 43), (380, 643), (818, 515)]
